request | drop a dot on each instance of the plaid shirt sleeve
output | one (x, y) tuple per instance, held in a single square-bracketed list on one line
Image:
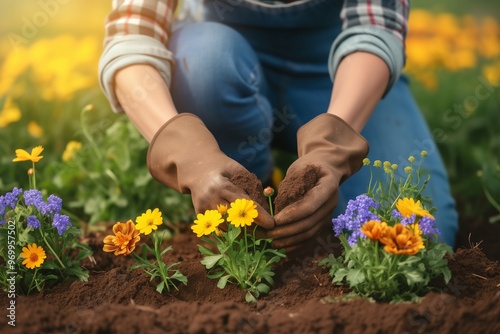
[(152, 18), (136, 32), (374, 26), (391, 15)]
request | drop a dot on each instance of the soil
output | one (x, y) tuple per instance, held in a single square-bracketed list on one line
[(116, 300)]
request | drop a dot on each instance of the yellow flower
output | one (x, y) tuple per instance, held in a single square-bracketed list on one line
[(149, 221), (242, 212), (35, 130), (408, 207), (222, 208), (124, 239), (218, 231), (71, 148), (10, 113), (207, 223), (22, 155), (398, 239), (277, 176), (33, 256), (374, 229)]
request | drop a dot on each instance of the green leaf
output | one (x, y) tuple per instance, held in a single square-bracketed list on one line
[(355, 276), (413, 277), (249, 297), (160, 287), (263, 288), (223, 281), (211, 260)]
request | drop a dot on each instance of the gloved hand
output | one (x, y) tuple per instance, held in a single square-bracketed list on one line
[(329, 151), (185, 156)]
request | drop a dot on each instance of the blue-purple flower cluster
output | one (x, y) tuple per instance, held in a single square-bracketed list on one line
[(356, 214), (426, 224), (9, 200), (48, 209)]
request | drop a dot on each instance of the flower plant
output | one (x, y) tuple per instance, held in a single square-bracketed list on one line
[(240, 258), (390, 243), (38, 243), (123, 242)]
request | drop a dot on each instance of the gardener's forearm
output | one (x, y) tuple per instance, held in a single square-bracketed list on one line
[(360, 82), (145, 97)]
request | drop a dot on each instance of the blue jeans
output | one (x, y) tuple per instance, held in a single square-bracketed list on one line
[(255, 75)]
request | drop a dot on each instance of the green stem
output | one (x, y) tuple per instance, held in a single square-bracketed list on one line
[(51, 249), (270, 206), (32, 280), (86, 133), (33, 177), (246, 242)]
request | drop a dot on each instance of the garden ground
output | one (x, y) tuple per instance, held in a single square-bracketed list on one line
[(115, 300)]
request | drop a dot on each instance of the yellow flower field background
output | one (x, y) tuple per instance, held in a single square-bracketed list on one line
[(49, 96)]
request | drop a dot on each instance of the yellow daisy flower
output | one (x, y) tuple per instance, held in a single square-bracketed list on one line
[(242, 212), (10, 113), (408, 207), (71, 148), (207, 223), (35, 130), (33, 256), (149, 221), (22, 155)]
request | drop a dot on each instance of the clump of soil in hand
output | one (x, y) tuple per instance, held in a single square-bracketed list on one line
[(252, 186), (295, 186)]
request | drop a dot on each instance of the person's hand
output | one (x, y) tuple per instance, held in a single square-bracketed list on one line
[(185, 156), (329, 151)]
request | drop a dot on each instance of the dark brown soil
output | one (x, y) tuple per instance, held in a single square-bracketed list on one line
[(115, 300)]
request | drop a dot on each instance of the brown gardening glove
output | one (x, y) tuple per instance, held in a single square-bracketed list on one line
[(185, 156), (329, 151)]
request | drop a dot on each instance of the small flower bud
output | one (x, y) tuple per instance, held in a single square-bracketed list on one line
[(30, 171), (408, 169), (377, 163), (394, 166), (411, 159), (222, 208), (366, 162), (387, 164), (268, 192), (424, 153)]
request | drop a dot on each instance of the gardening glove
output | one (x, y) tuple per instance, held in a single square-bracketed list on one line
[(329, 151), (185, 156)]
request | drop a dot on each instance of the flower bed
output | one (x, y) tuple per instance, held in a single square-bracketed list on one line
[(303, 299)]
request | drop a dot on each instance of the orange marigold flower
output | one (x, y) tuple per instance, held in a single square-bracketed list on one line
[(374, 229), (398, 239), (124, 239)]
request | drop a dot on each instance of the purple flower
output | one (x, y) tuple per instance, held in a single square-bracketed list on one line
[(61, 222), (54, 204), (35, 197), (428, 226), (356, 214), (9, 200), (33, 222)]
